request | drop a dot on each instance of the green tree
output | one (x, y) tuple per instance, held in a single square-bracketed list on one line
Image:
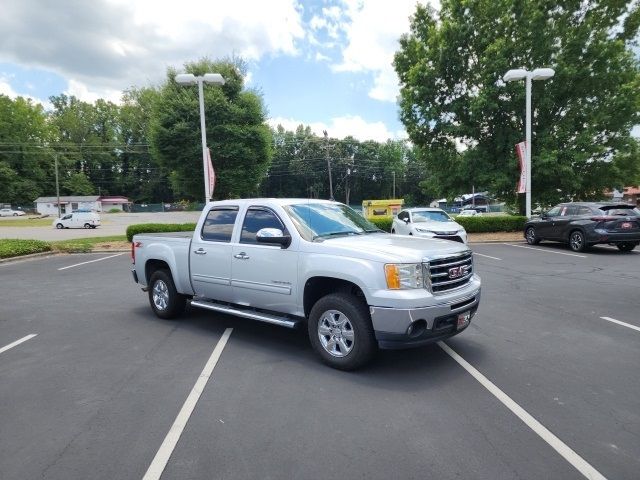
[(239, 139), (466, 121), (26, 164), (77, 184)]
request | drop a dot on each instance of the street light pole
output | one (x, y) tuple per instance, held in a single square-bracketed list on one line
[(190, 79), (520, 74)]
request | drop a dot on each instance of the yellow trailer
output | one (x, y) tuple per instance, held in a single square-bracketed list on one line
[(381, 208)]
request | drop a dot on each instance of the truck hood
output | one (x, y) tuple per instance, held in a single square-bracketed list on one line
[(384, 247)]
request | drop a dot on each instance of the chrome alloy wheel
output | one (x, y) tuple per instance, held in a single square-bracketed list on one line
[(336, 333), (577, 241), (531, 236), (160, 295)]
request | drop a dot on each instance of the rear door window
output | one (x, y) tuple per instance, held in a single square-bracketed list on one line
[(218, 226)]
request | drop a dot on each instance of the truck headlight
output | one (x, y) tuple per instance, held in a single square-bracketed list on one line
[(402, 276)]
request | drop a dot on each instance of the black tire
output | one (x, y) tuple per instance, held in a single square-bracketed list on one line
[(15, 214), (59, 226), (530, 236), (393, 231), (626, 247), (87, 225), (164, 299), (362, 346), (577, 242)]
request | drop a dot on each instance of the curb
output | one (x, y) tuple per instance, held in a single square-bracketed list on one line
[(30, 256)]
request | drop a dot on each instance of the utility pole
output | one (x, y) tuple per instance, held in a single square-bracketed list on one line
[(394, 184), (57, 184), (326, 149)]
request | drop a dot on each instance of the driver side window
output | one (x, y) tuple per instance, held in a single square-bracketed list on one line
[(403, 215), (554, 212)]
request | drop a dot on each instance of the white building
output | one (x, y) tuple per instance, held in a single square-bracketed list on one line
[(69, 204)]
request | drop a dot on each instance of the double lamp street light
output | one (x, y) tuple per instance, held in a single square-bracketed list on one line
[(521, 74), (191, 79)]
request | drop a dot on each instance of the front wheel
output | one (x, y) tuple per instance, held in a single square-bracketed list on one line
[(626, 247), (59, 226), (530, 235), (340, 331), (87, 225), (577, 242), (165, 300)]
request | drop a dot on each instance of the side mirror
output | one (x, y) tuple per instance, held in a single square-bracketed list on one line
[(406, 220), (273, 236), (544, 215)]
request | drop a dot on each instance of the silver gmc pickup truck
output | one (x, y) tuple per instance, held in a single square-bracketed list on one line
[(312, 263)]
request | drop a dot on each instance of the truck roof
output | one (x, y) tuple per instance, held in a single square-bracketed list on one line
[(272, 201)]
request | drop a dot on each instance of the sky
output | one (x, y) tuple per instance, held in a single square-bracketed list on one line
[(322, 63)]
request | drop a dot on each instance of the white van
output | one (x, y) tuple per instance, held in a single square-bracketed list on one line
[(78, 220)]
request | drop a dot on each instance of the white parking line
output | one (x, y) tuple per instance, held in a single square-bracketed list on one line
[(166, 449), (488, 256), (17, 342), (91, 261), (558, 445), (548, 251), (628, 325)]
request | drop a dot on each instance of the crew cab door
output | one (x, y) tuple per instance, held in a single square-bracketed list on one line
[(263, 276), (210, 254)]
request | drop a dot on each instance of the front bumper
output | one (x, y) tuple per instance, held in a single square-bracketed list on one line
[(430, 324)]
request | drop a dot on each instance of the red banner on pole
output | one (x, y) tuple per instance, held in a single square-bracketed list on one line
[(211, 174), (521, 152)]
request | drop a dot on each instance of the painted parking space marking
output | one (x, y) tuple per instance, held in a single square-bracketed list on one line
[(17, 342), (487, 256), (554, 442), (154, 472), (92, 261), (547, 251), (618, 322)]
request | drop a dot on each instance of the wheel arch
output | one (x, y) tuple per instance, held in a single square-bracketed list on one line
[(319, 286), (152, 265)]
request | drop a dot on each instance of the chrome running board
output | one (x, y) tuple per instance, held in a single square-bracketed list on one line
[(239, 312)]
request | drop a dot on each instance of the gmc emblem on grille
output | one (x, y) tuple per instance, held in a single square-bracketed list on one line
[(457, 272)]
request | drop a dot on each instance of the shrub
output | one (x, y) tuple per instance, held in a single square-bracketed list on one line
[(158, 228), (114, 210), (498, 223), (382, 223), (15, 248)]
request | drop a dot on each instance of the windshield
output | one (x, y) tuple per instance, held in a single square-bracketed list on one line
[(426, 216), (321, 220)]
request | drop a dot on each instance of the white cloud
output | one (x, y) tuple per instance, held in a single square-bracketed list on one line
[(113, 44), (322, 58), (341, 127), (81, 91), (373, 30)]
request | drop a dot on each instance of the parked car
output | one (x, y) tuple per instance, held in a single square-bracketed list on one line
[(78, 220), (314, 264), (469, 213), (8, 212), (428, 223), (583, 224)]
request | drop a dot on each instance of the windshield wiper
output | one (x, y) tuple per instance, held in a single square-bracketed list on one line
[(335, 234), (375, 230)]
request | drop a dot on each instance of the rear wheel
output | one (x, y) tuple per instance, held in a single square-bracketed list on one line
[(165, 300), (626, 247), (59, 226), (577, 241), (340, 331), (530, 235)]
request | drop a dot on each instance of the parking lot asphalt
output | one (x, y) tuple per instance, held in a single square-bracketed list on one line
[(96, 392)]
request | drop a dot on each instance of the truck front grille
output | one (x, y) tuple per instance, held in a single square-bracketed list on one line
[(448, 273)]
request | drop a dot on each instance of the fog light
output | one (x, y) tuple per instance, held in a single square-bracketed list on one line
[(417, 328)]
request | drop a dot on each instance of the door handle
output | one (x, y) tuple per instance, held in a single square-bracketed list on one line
[(241, 256), (200, 251)]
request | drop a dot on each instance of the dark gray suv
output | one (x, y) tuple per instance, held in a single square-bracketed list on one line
[(583, 224)]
